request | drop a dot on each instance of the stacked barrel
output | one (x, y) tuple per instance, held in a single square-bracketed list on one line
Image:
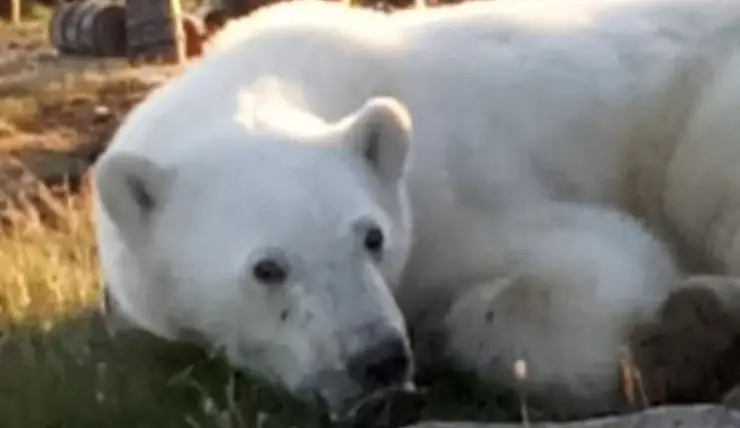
[(150, 31), (144, 29), (137, 29), (90, 28), (237, 8)]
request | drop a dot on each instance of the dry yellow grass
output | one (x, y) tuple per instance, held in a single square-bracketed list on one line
[(49, 272)]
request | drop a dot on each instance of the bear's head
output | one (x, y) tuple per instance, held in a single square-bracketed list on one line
[(281, 249)]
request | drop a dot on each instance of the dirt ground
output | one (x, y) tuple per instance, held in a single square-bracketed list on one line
[(57, 112)]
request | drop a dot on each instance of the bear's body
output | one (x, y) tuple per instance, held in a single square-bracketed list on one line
[(538, 127)]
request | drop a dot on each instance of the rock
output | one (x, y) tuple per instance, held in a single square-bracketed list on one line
[(691, 354), (47, 54), (696, 416), (102, 112)]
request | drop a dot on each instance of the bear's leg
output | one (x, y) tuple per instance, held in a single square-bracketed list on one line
[(565, 307), (701, 195)]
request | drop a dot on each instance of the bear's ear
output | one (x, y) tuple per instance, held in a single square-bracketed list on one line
[(380, 132), (130, 188)]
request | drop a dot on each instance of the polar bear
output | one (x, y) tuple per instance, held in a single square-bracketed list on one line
[(518, 179)]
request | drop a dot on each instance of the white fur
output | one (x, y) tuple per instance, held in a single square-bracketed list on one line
[(538, 128)]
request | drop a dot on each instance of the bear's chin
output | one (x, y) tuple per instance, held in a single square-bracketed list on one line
[(343, 400), (357, 407)]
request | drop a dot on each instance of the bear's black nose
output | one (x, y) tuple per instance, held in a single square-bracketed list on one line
[(385, 364)]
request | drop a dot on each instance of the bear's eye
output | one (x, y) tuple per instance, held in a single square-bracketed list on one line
[(374, 240), (270, 271)]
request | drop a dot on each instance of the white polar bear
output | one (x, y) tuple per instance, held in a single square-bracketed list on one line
[(486, 163)]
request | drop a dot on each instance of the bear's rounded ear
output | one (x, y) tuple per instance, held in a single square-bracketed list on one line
[(130, 188), (380, 132)]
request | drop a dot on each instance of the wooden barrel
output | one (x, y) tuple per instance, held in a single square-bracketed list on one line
[(149, 30), (73, 30), (57, 24), (237, 8), (90, 28)]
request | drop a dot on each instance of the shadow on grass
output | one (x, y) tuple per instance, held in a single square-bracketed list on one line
[(75, 376)]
